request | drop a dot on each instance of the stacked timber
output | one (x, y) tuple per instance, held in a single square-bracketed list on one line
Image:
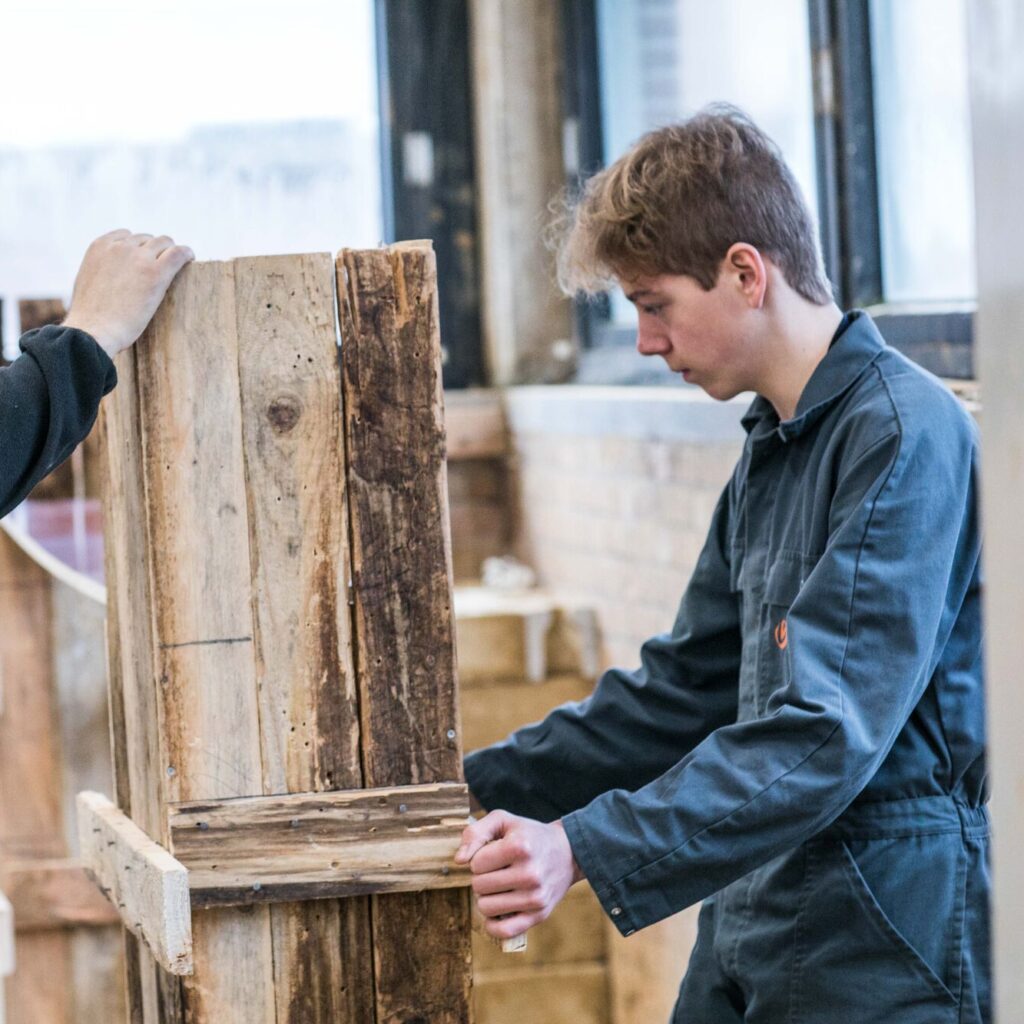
[(280, 625), (522, 653)]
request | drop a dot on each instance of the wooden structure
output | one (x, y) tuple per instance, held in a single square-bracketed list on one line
[(280, 620), (53, 740)]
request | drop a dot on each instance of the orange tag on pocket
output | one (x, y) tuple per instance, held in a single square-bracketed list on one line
[(782, 635)]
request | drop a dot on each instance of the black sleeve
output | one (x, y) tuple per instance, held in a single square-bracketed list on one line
[(49, 397)]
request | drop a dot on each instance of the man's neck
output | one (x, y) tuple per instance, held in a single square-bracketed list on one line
[(794, 351)]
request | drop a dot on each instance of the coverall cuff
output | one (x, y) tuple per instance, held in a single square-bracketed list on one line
[(589, 861)]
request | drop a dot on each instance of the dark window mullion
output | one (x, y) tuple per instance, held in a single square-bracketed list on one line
[(844, 118), (427, 153)]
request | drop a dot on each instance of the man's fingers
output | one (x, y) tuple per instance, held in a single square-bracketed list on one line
[(114, 236), (476, 836), (502, 880), (138, 239), (501, 904), (159, 244), (175, 257), (510, 927)]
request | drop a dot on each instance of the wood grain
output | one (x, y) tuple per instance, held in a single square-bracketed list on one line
[(402, 589), (298, 528), (311, 846), (144, 882)]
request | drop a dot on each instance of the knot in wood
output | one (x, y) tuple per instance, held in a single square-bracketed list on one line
[(284, 412)]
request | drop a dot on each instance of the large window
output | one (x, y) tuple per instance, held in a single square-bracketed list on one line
[(241, 127), (924, 149), (662, 60), (868, 100)]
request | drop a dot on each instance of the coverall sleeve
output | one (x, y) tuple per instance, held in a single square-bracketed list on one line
[(49, 397), (636, 724), (865, 633)]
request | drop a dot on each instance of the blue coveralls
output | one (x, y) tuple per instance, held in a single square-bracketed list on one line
[(804, 751)]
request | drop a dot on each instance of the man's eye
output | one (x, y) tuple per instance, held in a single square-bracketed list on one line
[(652, 310)]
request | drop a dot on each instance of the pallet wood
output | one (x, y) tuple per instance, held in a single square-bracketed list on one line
[(576, 993), (298, 523), (402, 592), (54, 894), (146, 884), (226, 520), (309, 846)]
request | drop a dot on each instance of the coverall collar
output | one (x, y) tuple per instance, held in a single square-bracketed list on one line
[(855, 346)]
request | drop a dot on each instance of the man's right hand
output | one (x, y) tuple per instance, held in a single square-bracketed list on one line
[(122, 280)]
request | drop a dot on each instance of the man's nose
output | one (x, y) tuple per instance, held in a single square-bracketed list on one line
[(650, 342)]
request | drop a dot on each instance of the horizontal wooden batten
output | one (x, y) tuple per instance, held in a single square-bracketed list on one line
[(54, 894), (320, 845)]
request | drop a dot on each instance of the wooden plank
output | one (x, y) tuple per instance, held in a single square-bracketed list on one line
[(561, 992), (31, 819), (402, 589), (298, 520), (316, 845), (145, 883), (189, 546), (489, 714), (41, 987), (516, 77), (54, 894), (33, 313)]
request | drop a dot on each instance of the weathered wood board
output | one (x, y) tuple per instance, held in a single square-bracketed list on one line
[(310, 846), (402, 589), (147, 885)]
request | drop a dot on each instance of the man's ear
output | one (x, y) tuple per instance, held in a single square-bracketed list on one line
[(745, 267)]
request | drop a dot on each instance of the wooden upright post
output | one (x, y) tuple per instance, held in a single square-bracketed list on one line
[(235, 669)]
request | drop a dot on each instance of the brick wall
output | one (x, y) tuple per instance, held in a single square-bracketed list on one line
[(615, 490)]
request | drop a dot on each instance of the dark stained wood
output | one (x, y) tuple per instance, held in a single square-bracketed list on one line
[(402, 591)]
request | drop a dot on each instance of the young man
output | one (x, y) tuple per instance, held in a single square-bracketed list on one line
[(804, 750), (50, 395)]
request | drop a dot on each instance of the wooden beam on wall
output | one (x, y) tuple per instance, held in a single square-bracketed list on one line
[(517, 62)]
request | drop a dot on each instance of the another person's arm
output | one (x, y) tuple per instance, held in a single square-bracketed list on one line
[(49, 396)]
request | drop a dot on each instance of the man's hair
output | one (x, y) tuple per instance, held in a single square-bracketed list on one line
[(676, 202)]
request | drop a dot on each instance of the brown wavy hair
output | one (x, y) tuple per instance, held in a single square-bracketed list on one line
[(676, 202)]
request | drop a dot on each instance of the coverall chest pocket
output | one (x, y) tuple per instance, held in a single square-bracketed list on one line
[(783, 582)]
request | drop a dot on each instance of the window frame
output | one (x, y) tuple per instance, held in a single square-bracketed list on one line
[(425, 90), (939, 336)]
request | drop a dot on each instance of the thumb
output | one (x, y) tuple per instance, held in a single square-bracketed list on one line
[(476, 836)]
